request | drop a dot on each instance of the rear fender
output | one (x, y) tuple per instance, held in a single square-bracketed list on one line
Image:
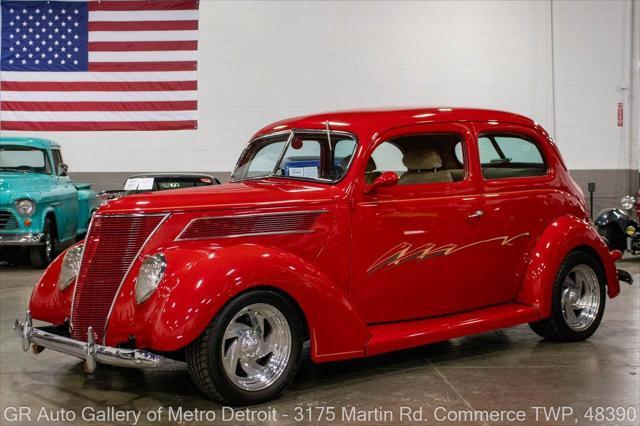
[(200, 281), (560, 238)]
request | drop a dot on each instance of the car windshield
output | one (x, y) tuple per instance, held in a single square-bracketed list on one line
[(23, 159), (308, 155)]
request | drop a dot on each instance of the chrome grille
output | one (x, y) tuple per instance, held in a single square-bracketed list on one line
[(8, 220), (112, 244)]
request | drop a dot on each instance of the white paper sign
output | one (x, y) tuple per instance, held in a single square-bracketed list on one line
[(311, 172), (131, 184), (296, 171), (140, 184), (145, 183)]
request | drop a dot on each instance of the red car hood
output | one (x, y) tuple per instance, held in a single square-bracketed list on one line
[(241, 195)]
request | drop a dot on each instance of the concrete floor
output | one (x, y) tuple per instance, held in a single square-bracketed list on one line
[(504, 370)]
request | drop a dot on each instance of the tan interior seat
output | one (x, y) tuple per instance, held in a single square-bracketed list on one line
[(423, 164), (370, 173)]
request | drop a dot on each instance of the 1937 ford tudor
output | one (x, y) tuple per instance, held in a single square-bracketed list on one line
[(364, 232)]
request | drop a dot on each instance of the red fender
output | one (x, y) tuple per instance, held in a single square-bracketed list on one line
[(556, 242), (47, 302), (199, 282)]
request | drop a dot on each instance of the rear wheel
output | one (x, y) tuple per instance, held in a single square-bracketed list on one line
[(250, 352), (43, 254), (578, 300)]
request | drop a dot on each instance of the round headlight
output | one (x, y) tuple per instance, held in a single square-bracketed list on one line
[(25, 206), (70, 266), (150, 275), (628, 202)]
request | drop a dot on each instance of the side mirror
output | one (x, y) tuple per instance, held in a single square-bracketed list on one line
[(62, 169), (385, 179)]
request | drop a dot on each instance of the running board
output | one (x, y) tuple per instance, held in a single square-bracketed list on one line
[(409, 334)]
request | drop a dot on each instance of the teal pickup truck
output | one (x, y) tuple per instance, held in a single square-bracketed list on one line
[(41, 209)]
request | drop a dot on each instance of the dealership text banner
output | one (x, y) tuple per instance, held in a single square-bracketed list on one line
[(108, 65)]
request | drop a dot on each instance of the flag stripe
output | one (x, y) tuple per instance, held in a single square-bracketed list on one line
[(145, 96), (142, 35), (122, 46), (144, 15), (44, 126), (95, 116), (143, 25), (99, 106), (92, 86), (143, 66), (143, 5), (146, 56), (98, 76)]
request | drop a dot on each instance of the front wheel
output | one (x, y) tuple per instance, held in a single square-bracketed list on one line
[(250, 351), (578, 300)]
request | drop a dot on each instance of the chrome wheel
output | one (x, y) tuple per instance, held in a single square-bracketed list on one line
[(256, 347), (48, 244), (580, 297)]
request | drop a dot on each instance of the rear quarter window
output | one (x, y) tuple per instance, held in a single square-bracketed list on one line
[(510, 156)]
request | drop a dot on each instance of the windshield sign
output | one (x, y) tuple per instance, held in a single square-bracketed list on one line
[(300, 155), (23, 159)]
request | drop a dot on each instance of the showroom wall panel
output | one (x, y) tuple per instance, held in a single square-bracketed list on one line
[(260, 61)]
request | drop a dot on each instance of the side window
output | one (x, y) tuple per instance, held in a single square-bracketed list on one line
[(509, 156), (57, 159), (419, 159)]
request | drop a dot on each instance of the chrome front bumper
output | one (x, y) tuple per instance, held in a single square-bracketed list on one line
[(29, 239), (91, 352)]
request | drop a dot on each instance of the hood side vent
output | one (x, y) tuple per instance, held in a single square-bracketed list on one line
[(250, 225)]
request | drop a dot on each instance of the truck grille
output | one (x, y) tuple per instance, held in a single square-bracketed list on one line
[(8, 220), (111, 246)]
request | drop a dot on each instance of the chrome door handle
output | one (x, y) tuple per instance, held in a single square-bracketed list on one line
[(477, 213)]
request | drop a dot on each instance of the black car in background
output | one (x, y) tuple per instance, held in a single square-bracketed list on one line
[(149, 182), (620, 227)]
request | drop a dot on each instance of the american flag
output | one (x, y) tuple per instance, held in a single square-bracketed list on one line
[(98, 65)]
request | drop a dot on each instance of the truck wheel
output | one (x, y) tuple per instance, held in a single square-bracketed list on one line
[(43, 254), (250, 351), (578, 300)]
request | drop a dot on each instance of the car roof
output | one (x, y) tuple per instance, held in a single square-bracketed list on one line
[(27, 141), (370, 121), (169, 174)]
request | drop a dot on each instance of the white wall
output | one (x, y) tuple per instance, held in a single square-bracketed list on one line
[(261, 61), (592, 54)]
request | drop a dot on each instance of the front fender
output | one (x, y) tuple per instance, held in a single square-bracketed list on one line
[(48, 303), (200, 281), (556, 242)]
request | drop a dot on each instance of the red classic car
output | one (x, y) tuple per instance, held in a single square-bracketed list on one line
[(364, 232)]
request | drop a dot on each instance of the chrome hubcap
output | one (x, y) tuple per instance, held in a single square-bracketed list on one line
[(256, 347), (580, 297)]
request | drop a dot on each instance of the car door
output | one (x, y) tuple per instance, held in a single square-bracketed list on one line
[(65, 200), (415, 250), (519, 201)]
